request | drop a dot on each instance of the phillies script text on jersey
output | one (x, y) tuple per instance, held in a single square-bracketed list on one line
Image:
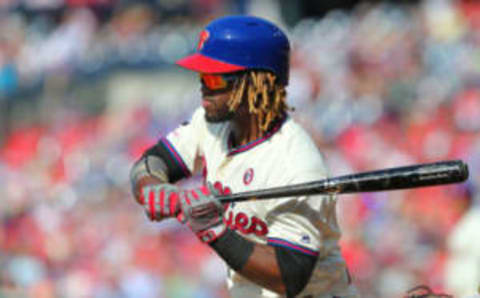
[(241, 221)]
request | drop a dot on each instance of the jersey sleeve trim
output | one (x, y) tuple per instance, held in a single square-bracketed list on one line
[(291, 245), (176, 158)]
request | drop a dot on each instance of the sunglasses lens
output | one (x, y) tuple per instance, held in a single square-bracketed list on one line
[(214, 82)]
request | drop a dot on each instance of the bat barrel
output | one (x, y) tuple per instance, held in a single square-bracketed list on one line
[(421, 175)]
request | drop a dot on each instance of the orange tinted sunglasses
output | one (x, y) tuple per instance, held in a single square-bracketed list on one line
[(216, 82)]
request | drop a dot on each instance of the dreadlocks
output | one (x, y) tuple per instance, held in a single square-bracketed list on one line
[(266, 99)]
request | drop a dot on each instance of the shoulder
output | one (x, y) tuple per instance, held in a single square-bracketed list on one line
[(300, 151), (299, 143), (298, 135)]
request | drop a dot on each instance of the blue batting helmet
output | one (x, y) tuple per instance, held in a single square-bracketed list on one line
[(236, 43)]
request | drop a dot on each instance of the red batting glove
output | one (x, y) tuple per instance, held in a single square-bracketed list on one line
[(160, 201), (203, 213)]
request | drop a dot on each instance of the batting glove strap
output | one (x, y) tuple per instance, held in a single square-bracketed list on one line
[(212, 234)]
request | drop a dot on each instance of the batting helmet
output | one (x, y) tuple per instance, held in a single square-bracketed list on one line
[(236, 43)]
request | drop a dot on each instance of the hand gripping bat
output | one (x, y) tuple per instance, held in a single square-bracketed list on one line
[(420, 175)]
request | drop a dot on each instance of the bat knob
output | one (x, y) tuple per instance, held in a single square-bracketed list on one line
[(464, 172)]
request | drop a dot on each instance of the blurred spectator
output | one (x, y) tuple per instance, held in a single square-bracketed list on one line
[(8, 70), (8, 73)]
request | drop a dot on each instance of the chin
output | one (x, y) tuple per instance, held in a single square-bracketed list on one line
[(218, 118)]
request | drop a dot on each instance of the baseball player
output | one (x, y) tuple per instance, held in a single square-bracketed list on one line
[(243, 139)]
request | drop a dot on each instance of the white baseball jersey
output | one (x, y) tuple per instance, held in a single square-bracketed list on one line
[(286, 155)]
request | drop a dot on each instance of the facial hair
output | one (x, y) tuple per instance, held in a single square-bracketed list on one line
[(218, 111), (220, 116)]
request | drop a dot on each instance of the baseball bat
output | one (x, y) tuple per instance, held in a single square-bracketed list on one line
[(420, 175)]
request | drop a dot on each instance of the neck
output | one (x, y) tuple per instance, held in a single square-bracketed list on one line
[(245, 129)]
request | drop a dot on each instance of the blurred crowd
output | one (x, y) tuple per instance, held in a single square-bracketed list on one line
[(86, 38), (382, 85)]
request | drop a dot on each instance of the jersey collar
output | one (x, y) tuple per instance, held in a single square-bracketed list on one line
[(235, 150)]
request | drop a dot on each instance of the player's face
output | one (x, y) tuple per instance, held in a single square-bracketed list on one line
[(216, 90)]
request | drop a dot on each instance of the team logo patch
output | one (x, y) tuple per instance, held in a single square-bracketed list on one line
[(248, 176), (204, 35), (305, 239)]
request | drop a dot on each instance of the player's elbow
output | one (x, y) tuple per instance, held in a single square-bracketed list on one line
[(279, 288), (146, 171), (293, 284), (289, 286), (296, 269)]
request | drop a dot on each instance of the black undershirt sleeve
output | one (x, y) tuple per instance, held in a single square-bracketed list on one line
[(296, 269)]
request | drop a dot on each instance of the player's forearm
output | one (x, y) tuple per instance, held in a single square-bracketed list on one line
[(158, 164), (147, 170), (279, 269), (262, 268), (254, 261)]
